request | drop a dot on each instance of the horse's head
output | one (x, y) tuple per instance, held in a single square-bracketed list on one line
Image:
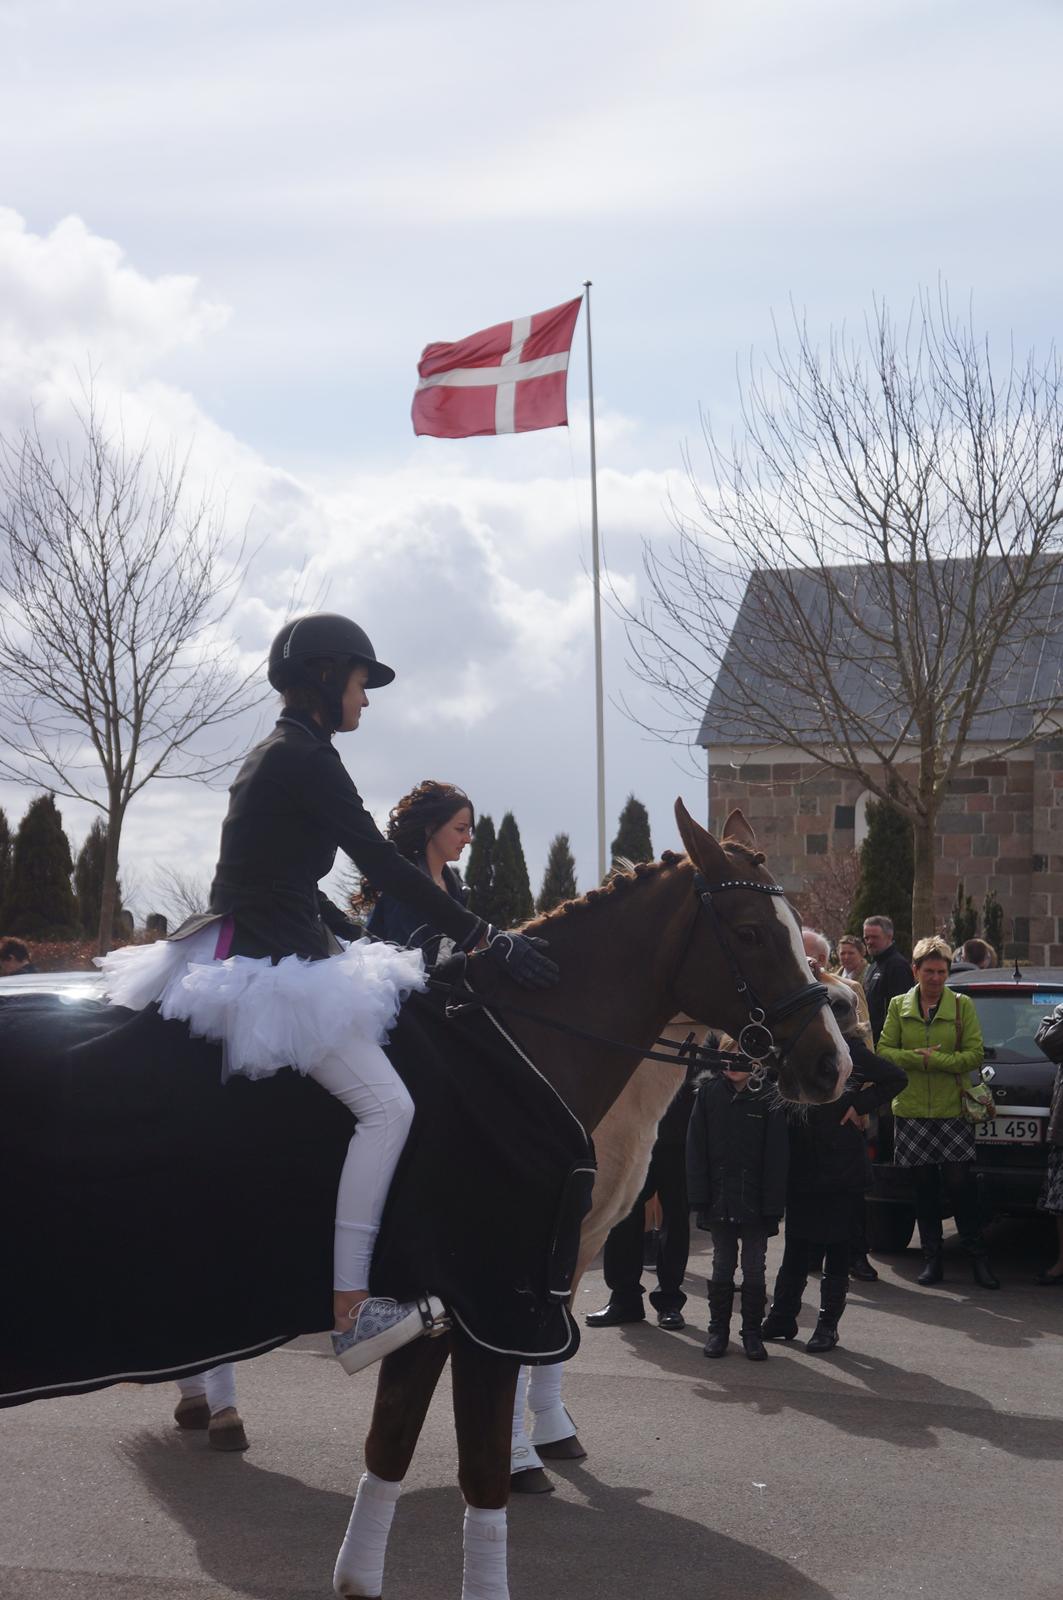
[(744, 968)]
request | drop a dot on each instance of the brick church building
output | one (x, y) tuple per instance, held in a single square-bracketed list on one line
[(1000, 828)]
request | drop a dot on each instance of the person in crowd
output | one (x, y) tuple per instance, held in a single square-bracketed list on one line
[(209, 1401), (737, 1158), (852, 958), (829, 1175), (933, 1032), (889, 972), (430, 827), (14, 958), (1050, 1039), (817, 949), (623, 1260), (292, 997), (974, 955)]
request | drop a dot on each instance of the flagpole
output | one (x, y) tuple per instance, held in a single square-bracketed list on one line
[(599, 699)]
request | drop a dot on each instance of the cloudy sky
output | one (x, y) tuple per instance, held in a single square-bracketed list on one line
[(248, 219)]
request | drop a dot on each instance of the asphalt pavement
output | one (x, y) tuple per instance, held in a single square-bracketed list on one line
[(920, 1458)]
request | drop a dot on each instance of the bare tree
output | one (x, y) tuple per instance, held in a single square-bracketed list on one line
[(116, 581), (890, 516), (826, 898), (178, 894)]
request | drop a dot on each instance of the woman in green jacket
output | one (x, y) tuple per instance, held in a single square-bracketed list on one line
[(934, 1034)]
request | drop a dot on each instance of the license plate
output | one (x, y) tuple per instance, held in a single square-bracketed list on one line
[(1011, 1130)]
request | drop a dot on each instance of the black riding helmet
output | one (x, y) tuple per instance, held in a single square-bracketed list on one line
[(318, 638)]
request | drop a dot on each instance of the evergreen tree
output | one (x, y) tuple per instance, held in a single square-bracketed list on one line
[(480, 871), (887, 872), (5, 857), (511, 896), (993, 922), (40, 902), (88, 879), (632, 842), (559, 879), (964, 921)]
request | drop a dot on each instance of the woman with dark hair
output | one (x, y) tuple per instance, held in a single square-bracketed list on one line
[(430, 826), (264, 972)]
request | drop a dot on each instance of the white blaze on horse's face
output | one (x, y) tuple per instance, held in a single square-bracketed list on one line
[(785, 912)]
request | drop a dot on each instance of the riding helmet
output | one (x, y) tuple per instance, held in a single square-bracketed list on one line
[(322, 635)]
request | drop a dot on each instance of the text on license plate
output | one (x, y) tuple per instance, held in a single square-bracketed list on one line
[(1012, 1130)]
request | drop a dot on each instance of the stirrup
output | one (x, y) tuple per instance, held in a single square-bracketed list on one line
[(436, 1323)]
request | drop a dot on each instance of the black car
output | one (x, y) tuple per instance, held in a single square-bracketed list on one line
[(1012, 1152)]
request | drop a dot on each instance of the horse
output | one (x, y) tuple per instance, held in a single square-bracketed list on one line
[(707, 935)]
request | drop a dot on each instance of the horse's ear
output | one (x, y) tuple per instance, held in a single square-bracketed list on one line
[(700, 845), (738, 828)]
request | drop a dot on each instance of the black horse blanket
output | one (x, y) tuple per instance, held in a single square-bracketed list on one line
[(156, 1221)]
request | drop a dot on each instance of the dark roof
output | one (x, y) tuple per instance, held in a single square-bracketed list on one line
[(868, 682)]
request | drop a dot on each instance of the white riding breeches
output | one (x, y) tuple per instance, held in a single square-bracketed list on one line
[(363, 1079)]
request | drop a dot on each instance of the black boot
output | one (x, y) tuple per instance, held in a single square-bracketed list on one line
[(984, 1276), (933, 1267), (754, 1299), (933, 1258), (781, 1320), (833, 1293), (721, 1300)]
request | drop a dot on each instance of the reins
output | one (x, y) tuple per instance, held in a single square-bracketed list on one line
[(756, 1042)]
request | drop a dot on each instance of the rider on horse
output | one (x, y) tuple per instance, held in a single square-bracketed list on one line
[(264, 971)]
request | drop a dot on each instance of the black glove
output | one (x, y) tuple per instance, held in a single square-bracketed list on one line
[(523, 958), (702, 1220)]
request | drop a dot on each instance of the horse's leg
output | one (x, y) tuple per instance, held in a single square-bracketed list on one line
[(484, 1387), (526, 1475), (405, 1385), (553, 1431)]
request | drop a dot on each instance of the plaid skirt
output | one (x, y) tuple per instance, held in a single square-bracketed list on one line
[(1051, 1196), (926, 1141)]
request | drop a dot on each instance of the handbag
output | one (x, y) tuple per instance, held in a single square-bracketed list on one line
[(976, 1101)]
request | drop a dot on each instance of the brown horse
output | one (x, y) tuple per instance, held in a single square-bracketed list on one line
[(632, 956)]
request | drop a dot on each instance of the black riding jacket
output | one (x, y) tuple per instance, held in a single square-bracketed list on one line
[(291, 808)]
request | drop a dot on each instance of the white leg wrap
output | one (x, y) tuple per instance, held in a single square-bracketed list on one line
[(360, 1563), (485, 1577), (221, 1387), (522, 1453), (550, 1419)]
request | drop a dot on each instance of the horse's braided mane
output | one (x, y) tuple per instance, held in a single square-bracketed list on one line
[(631, 874), (620, 883)]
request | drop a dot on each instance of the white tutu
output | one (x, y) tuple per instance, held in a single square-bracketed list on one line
[(267, 1016)]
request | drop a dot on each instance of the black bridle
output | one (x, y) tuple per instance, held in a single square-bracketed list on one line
[(756, 1042)]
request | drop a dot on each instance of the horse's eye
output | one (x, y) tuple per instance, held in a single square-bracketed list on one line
[(749, 934)]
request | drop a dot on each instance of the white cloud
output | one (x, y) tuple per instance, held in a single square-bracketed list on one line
[(473, 585)]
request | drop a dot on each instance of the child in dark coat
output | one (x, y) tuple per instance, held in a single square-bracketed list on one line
[(829, 1176), (737, 1156)]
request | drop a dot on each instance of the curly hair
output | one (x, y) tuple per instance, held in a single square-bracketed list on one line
[(414, 819)]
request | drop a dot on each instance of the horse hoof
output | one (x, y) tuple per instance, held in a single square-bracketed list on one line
[(533, 1480), (192, 1412), (226, 1431), (568, 1449)]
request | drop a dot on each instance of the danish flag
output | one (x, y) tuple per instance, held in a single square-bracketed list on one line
[(507, 379)]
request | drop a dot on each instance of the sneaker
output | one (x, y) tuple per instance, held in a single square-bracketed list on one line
[(380, 1326)]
